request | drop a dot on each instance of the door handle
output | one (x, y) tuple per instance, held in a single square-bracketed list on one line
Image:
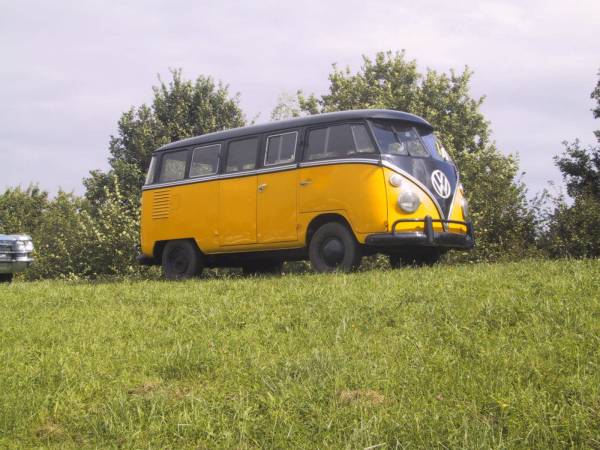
[(262, 187), (305, 182)]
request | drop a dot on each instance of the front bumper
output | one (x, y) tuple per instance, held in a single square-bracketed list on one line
[(428, 237), (14, 265)]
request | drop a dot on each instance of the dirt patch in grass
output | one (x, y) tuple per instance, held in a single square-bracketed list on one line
[(364, 396), (50, 431), (145, 388)]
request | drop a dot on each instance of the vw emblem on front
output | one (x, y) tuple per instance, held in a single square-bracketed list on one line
[(441, 183)]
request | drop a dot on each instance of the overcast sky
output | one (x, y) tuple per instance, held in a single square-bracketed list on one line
[(68, 69)]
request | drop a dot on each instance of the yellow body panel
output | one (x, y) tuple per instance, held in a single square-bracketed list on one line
[(457, 214), (277, 207), (427, 207), (180, 212), (355, 190), (237, 211), (273, 210)]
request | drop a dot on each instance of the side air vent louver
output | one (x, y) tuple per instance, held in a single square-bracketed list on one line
[(161, 205)]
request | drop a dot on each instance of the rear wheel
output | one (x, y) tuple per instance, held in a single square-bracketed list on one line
[(181, 260), (333, 247), (6, 277), (262, 268)]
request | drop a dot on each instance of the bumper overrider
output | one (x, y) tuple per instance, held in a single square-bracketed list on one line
[(428, 237)]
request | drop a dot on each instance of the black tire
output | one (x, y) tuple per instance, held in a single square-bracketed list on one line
[(334, 248), (181, 260), (423, 257), (6, 277), (262, 268)]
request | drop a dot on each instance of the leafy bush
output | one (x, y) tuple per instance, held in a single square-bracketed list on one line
[(574, 230), (21, 210), (77, 241), (72, 238)]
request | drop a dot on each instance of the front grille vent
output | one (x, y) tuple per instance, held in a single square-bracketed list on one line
[(161, 205)]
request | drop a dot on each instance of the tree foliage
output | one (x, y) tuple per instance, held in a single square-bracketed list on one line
[(503, 221), (72, 238), (180, 109), (580, 168), (574, 230), (21, 211)]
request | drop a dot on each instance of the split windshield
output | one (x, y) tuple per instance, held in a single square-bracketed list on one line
[(405, 139)]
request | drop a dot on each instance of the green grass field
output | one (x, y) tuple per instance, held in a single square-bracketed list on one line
[(475, 356)]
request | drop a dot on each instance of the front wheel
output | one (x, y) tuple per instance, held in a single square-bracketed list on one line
[(181, 260), (6, 277), (333, 247)]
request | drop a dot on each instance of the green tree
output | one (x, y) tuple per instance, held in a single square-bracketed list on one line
[(580, 166), (180, 109), (21, 211), (74, 240), (503, 221), (574, 229)]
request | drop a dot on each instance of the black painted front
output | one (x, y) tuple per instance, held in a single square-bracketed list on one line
[(422, 168)]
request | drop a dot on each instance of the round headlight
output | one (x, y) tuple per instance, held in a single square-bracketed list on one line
[(465, 208), (408, 201), (396, 180)]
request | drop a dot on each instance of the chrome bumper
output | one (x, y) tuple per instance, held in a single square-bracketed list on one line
[(16, 263), (427, 238)]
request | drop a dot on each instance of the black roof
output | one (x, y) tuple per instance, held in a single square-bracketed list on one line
[(298, 122)]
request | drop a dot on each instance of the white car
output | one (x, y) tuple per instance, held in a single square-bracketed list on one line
[(15, 255)]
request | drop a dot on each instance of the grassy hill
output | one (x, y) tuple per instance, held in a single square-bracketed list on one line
[(476, 356)]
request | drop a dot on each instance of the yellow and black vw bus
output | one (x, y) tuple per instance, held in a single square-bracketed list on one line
[(329, 188)]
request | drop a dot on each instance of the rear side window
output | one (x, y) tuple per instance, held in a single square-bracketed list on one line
[(242, 155), (281, 148), (173, 166), (338, 141), (205, 160)]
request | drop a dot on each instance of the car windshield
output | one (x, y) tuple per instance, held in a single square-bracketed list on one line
[(400, 138), (434, 145), (397, 138)]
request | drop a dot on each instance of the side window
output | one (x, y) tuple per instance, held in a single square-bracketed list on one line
[(338, 141), (317, 144), (173, 166), (281, 148), (362, 140), (205, 160), (242, 155)]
